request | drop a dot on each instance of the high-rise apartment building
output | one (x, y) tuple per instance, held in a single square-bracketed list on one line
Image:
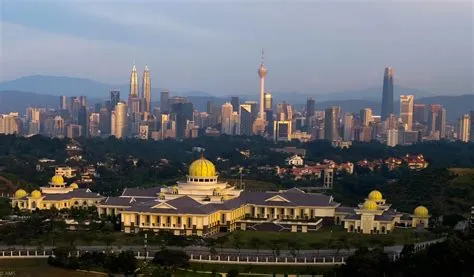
[(268, 101), (284, 112), (464, 128), (387, 93), (331, 123), (419, 113), (105, 123), (309, 111), (120, 120), (182, 113), (348, 126), (366, 116), (406, 111), (392, 137), (9, 124), (73, 131), (74, 108), (235, 101), (146, 90), (165, 101), (228, 123), (94, 124), (63, 102)]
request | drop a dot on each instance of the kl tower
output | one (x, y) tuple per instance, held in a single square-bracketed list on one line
[(262, 72)]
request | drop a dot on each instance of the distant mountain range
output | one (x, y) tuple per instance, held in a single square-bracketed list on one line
[(43, 91), (71, 86)]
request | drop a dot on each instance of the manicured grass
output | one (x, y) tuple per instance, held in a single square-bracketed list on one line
[(37, 268), (264, 269), (328, 238)]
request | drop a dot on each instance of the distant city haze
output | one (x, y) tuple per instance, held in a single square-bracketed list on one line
[(311, 47)]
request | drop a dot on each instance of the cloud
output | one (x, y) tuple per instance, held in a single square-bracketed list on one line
[(28, 51)]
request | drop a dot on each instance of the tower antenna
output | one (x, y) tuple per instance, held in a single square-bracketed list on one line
[(263, 55)]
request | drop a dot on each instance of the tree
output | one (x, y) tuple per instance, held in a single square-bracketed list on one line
[(275, 245), (171, 258), (221, 241), (213, 251), (237, 241), (366, 263), (255, 243), (316, 245), (233, 273), (127, 262)]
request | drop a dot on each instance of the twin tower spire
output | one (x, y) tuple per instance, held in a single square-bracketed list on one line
[(134, 92)]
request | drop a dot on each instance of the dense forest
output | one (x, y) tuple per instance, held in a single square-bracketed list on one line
[(441, 189)]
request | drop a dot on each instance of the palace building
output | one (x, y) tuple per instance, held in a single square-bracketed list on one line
[(375, 216), (56, 195)]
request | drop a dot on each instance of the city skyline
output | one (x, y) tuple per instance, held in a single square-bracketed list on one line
[(303, 61)]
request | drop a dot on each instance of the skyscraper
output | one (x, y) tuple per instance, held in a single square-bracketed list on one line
[(133, 97), (120, 120), (62, 102), (419, 113), (437, 121), (262, 72), (309, 110), (387, 93), (245, 119), (406, 111), (104, 121), (75, 105), (282, 130), (165, 101), (331, 126), (146, 90), (83, 121), (268, 101), (471, 117), (366, 116), (83, 100), (227, 125), (348, 126), (464, 128), (235, 103), (114, 99), (182, 112)]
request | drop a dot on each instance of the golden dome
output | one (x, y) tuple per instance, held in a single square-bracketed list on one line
[(369, 205), (375, 195), (20, 193), (35, 194), (420, 211), (202, 168), (57, 180), (74, 186)]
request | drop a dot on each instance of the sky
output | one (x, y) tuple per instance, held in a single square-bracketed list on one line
[(317, 47)]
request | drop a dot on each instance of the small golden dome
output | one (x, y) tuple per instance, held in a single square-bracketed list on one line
[(35, 194), (20, 193), (202, 168), (375, 195), (369, 205), (420, 211), (57, 180), (74, 186)]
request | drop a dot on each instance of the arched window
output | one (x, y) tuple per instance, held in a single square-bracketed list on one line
[(84, 203), (33, 205), (76, 202)]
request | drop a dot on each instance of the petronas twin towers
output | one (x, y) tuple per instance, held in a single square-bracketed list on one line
[(134, 102)]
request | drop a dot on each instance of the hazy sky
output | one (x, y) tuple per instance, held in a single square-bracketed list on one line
[(310, 46)]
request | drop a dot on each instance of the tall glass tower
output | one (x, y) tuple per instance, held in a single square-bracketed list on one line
[(387, 93)]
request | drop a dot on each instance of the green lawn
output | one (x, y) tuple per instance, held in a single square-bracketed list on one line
[(333, 237), (37, 268), (263, 269)]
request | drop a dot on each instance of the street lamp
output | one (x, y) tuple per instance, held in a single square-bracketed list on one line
[(145, 245)]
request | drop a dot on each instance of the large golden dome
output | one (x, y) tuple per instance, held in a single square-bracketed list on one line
[(202, 168), (57, 180), (74, 186), (369, 205), (375, 195), (35, 194), (420, 211), (20, 193)]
